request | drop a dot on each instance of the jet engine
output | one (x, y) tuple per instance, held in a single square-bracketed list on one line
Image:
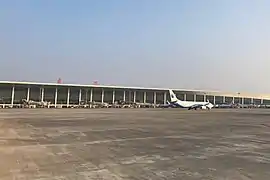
[(204, 107)]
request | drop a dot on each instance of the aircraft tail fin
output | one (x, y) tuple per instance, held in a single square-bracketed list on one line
[(173, 96)]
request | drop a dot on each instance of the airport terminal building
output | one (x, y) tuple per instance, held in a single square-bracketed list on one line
[(12, 93)]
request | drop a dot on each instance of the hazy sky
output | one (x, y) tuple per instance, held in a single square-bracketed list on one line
[(198, 44)]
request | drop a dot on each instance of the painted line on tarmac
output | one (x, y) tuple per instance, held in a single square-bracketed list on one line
[(97, 142)]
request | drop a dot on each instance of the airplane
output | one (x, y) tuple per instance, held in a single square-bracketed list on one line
[(189, 104), (224, 105)]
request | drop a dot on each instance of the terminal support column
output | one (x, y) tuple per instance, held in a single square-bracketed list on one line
[(68, 96), (165, 98), (252, 101), (102, 96), (113, 96), (55, 97), (80, 96), (243, 100), (224, 99), (12, 95), (155, 98), (134, 97), (204, 98), (124, 98), (185, 97), (214, 101), (144, 97), (233, 99), (91, 95), (42, 94), (194, 97), (262, 101), (28, 94)]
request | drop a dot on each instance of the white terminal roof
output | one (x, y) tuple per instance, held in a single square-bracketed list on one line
[(218, 93)]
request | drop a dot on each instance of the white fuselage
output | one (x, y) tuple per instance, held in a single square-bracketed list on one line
[(192, 104)]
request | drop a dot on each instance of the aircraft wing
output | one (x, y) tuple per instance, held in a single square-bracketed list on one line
[(169, 104)]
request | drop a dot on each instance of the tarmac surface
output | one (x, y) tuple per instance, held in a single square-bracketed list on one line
[(134, 144)]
